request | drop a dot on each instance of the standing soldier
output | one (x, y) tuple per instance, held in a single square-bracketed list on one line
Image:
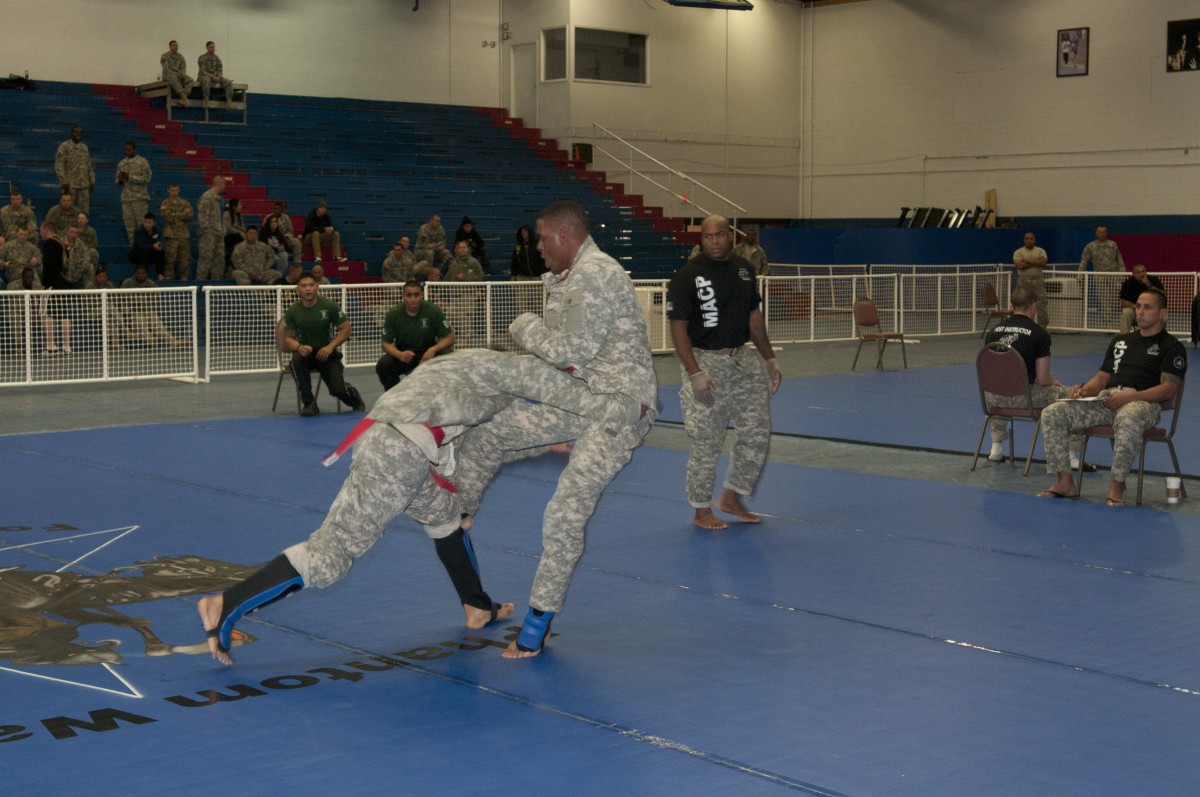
[(133, 175), (176, 213), (210, 262), (73, 165), (1030, 259), (174, 72), (211, 75), (713, 304)]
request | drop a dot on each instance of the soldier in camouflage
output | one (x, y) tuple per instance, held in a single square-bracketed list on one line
[(14, 215), (1140, 370), (18, 253), (594, 329), (402, 461), (133, 175), (174, 72), (210, 261), (254, 260), (400, 265), (431, 242), (713, 305), (73, 165), (64, 214), (176, 214), (211, 75)]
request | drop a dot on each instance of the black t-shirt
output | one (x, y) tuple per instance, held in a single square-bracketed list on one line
[(1023, 334), (54, 271), (1131, 289), (716, 299), (1138, 362)]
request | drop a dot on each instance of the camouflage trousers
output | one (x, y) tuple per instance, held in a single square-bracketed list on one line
[(181, 83), (386, 478), (1128, 423), (210, 260), (132, 213), (178, 250), (742, 396), (81, 200), (1042, 395), (1038, 286), (601, 450)]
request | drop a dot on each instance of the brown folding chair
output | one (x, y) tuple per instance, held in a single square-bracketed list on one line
[(991, 306), (1003, 375), (866, 316), (1156, 434)]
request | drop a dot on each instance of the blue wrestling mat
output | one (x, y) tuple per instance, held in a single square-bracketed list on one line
[(928, 408), (874, 635)]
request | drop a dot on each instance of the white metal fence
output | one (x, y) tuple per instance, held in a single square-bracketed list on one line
[(51, 337), (159, 333)]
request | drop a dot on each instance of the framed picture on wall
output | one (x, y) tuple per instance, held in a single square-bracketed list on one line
[(1071, 52), (1183, 45)]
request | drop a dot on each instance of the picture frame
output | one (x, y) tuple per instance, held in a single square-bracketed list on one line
[(1183, 45), (1072, 47)]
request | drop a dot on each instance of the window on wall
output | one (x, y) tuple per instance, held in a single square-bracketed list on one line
[(610, 55), (554, 54)]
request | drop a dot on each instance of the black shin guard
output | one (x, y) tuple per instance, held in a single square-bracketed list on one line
[(458, 557), (274, 580)]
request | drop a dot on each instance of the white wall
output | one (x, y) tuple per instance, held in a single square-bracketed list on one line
[(847, 110), (916, 102), (371, 49)]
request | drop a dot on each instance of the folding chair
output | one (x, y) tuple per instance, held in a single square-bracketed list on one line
[(1003, 375), (866, 315), (1156, 434), (991, 306), (283, 361)]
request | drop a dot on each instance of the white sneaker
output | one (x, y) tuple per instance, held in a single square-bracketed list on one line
[(997, 454), (67, 350)]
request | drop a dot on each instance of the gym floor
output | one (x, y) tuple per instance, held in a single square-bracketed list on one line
[(897, 625)]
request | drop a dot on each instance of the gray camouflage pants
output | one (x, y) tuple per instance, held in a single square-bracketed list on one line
[(742, 396), (1128, 423), (385, 479), (1042, 395)]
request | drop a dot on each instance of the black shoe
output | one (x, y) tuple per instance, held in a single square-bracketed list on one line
[(310, 409), (356, 401)]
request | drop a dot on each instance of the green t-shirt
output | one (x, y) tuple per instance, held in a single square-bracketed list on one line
[(317, 325), (415, 333)]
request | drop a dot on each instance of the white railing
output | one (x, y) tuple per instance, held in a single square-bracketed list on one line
[(110, 334)]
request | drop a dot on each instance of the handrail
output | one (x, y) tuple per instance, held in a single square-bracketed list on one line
[(670, 172)]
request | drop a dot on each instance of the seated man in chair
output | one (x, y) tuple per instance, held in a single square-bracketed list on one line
[(315, 327), (1140, 370), (1021, 332)]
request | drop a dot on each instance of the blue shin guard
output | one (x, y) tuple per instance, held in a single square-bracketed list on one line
[(534, 630), (276, 579)]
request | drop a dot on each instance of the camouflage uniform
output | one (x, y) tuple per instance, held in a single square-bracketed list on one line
[(73, 165), (399, 271), (62, 218), (13, 218), (427, 235), (210, 261), (289, 236), (176, 213), (174, 72), (210, 66), (741, 395), (16, 255), (593, 327), (141, 314), (1032, 279), (1128, 423), (393, 458), (254, 261), (756, 256), (1105, 256), (81, 263), (135, 198)]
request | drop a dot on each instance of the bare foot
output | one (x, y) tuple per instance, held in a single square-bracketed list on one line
[(705, 519), (1116, 494), (467, 522), (514, 652), (210, 616), (731, 504), (478, 618)]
